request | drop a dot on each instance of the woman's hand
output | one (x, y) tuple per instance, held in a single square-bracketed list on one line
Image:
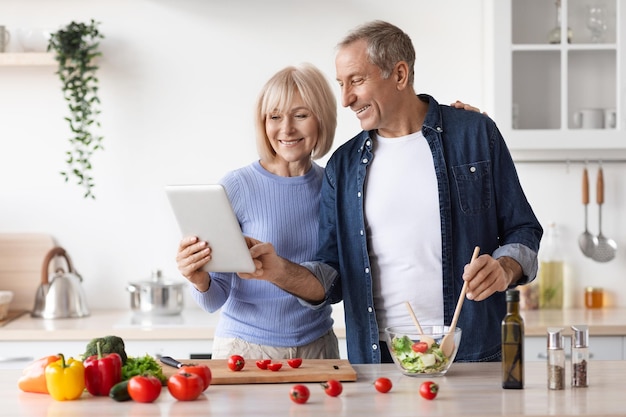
[(192, 255)]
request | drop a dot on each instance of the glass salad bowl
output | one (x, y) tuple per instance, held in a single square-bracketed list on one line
[(412, 355)]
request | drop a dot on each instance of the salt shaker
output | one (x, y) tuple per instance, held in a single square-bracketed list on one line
[(580, 355), (556, 359)]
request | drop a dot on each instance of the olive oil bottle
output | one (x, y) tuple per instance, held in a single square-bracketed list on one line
[(512, 343)]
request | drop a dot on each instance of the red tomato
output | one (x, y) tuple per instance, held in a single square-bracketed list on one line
[(299, 394), (262, 364), (383, 385), (274, 366), (185, 386), (144, 388), (332, 387), (236, 363), (420, 347), (203, 371), (295, 362), (429, 390)]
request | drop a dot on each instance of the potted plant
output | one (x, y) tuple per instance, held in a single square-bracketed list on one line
[(75, 47)]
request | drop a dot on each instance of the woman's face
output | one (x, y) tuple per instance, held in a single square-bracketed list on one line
[(293, 133)]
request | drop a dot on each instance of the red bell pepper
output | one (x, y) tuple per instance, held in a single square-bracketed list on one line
[(102, 372)]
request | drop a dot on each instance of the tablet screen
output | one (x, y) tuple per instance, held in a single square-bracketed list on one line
[(205, 211)]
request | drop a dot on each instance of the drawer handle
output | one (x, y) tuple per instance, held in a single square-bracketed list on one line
[(17, 359)]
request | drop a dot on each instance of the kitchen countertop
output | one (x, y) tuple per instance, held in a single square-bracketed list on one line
[(193, 324), (468, 389)]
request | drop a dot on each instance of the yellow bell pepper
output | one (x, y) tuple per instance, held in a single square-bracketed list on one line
[(65, 379)]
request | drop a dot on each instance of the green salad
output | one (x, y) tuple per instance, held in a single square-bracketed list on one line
[(417, 359)]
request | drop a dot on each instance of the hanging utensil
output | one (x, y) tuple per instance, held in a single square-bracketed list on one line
[(423, 338), (447, 343), (586, 240), (605, 248)]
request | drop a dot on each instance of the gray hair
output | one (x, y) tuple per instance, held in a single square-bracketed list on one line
[(386, 46)]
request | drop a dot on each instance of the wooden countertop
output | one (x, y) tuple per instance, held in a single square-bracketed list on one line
[(193, 324), (468, 390)]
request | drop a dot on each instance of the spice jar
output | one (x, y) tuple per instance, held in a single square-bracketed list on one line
[(580, 355), (594, 297), (556, 359)]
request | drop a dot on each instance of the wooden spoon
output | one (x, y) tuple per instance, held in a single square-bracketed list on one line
[(423, 338), (447, 343)]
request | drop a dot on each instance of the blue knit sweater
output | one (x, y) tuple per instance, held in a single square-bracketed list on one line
[(283, 211)]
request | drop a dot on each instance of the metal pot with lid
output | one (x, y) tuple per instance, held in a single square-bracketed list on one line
[(156, 296)]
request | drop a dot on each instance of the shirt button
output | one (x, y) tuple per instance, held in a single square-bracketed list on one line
[(367, 143), (364, 160), (375, 346), (472, 169), (370, 309), (439, 129), (367, 270), (361, 232), (358, 194)]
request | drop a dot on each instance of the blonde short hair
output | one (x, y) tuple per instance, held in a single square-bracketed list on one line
[(277, 94)]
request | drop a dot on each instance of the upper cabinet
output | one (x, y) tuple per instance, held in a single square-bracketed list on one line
[(560, 73)]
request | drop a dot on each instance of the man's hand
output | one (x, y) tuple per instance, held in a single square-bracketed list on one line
[(486, 275)]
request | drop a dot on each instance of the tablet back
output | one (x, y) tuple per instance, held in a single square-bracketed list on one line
[(205, 211)]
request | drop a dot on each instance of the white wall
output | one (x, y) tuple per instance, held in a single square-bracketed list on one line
[(178, 83)]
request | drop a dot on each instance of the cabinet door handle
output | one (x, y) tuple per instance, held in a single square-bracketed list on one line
[(17, 359)]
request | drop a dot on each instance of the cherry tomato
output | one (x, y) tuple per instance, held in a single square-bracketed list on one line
[(332, 387), (236, 363), (295, 362), (262, 364), (299, 394), (420, 347), (429, 390), (203, 371), (383, 385), (274, 366), (144, 388), (185, 386)]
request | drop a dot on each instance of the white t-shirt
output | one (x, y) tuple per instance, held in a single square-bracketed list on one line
[(404, 231)]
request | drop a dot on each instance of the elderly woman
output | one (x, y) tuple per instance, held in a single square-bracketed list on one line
[(276, 199)]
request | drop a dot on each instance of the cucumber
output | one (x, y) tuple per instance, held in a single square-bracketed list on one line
[(119, 391)]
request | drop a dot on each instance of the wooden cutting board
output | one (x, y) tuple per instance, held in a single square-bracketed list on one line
[(21, 261), (311, 370)]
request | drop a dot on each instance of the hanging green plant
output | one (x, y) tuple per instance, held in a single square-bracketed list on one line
[(76, 46)]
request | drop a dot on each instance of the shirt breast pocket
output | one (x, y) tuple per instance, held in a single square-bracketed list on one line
[(473, 183)]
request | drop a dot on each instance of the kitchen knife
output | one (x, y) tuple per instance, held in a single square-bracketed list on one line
[(168, 360)]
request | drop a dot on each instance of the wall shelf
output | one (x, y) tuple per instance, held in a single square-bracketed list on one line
[(26, 59)]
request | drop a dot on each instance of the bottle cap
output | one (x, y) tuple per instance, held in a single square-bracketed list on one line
[(581, 336), (512, 295), (555, 339)]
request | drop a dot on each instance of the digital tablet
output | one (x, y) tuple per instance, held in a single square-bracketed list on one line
[(205, 211)]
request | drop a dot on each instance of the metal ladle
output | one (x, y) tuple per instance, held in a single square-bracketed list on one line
[(586, 240), (606, 248)]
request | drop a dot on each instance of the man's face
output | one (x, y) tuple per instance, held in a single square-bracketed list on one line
[(362, 87)]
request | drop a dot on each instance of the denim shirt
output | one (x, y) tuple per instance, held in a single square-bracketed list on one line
[(481, 203)]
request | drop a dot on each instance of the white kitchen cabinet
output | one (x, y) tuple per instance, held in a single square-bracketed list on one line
[(601, 348), (18, 354), (539, 86)]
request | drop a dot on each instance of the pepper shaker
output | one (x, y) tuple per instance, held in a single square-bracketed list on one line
[(580, 355), (556, 359)]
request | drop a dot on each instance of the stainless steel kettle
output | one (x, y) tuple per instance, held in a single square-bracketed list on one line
[(62, 296)]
